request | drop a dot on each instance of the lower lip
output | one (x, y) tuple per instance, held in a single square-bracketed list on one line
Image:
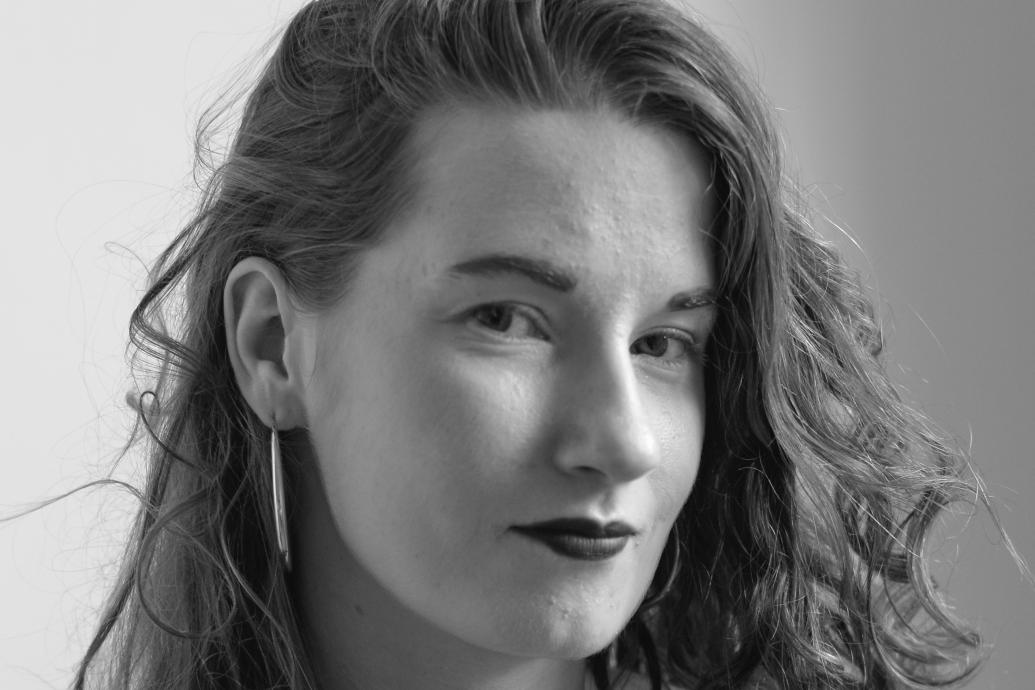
[(577, 546)]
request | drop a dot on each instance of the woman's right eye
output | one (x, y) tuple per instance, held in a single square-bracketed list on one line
[(508, 320)]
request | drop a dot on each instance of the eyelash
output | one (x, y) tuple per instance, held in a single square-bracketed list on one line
[(694, 350), (512, 310)]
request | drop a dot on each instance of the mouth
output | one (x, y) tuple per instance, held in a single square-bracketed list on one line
[(580, 538)]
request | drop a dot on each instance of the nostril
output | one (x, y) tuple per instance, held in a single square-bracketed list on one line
[(617, 452), (603, 425), (588, 470)]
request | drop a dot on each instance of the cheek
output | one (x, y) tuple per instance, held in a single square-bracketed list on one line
[(415, 439), (679, 428), (478, 419)]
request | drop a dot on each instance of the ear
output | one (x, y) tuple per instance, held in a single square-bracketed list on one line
[(264, 340)]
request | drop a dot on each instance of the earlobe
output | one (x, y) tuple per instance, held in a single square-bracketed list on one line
[(261, 334)]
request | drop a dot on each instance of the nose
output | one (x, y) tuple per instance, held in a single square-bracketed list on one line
[(604, 429)]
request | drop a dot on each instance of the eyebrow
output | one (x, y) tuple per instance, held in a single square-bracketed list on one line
[(693, 299), (546, 273), (537, 270)]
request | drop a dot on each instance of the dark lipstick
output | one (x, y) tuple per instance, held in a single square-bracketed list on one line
[(580, 538)]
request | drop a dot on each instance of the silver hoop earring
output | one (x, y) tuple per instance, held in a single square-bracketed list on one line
[(279, 509)]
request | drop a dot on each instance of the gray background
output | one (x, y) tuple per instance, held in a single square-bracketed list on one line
[(913, 124)]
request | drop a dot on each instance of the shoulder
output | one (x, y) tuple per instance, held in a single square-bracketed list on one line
[(759, 680), (636, 681)]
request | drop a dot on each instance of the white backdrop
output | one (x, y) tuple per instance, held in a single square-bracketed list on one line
[(909, 121), (100, 103)]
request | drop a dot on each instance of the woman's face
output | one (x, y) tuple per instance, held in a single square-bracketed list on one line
[(515, 372)]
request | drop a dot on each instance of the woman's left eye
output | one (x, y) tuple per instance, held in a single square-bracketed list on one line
[(669, 347)]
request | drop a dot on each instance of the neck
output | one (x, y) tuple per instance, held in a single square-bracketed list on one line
[(360, 637)]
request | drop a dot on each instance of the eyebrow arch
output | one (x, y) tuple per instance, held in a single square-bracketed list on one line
[(537, 270), (693, 299), (552, 276)]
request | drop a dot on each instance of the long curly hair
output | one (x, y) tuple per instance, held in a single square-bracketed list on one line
[(798, 560)]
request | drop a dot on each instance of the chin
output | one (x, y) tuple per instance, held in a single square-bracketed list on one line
[(554, 630), (571, 647)]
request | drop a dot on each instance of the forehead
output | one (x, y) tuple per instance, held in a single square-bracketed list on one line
[(574, 186)]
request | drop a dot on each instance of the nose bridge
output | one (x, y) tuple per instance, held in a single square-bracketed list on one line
[(605, 427)]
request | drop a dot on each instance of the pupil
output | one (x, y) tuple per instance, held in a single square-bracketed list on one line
[(654, 345), (497, 317)]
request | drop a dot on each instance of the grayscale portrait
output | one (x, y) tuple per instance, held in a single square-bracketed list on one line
[(519, 344)]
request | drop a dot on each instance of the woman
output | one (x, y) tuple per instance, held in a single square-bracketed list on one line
[(507, 360)]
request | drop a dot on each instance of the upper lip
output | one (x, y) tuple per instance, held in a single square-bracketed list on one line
[(585, 527)]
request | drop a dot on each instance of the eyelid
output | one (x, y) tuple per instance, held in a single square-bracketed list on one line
[(677, 333), (694, 344), (519, 309)]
